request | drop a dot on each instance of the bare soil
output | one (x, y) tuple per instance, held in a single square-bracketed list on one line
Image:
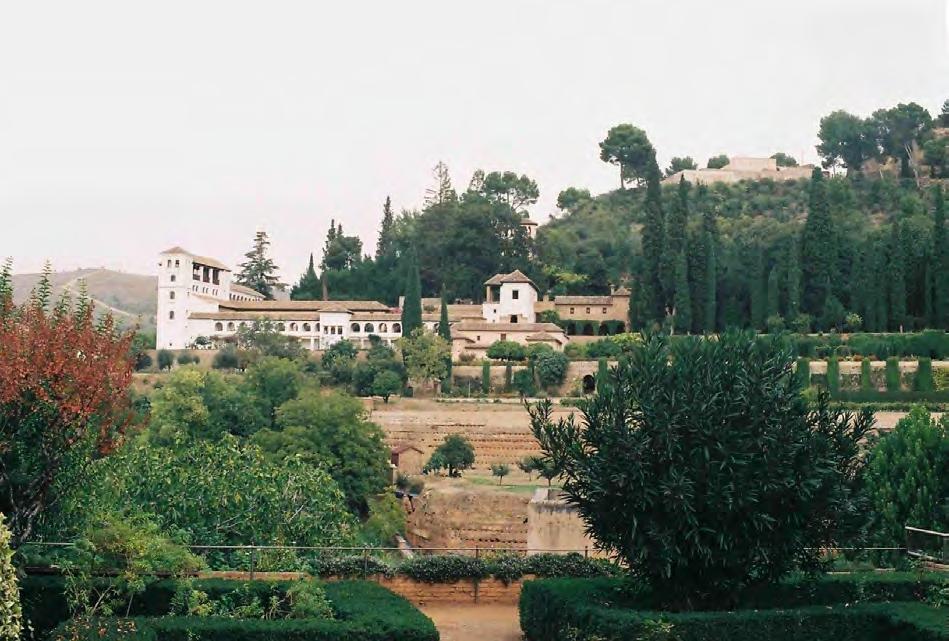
[(476, 622)]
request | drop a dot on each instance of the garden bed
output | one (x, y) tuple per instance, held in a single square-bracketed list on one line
[(362, 611), (845, 608)]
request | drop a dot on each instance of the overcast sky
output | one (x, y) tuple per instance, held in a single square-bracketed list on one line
[(127, 127)]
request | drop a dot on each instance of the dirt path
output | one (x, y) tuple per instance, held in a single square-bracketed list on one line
[(475, 622)]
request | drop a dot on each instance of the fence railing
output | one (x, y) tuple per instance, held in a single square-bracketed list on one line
[(928, 545)]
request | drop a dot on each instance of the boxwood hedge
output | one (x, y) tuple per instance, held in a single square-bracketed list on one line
[(364, 611), (845, 608)]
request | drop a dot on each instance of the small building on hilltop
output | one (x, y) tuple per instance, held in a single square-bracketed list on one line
[(742, 168)]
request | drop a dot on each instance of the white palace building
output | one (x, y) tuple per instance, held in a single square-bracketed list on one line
[(197, 300)]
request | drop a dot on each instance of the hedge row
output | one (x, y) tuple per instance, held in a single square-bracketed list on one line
[(446, 568), (363, 610), (561, 610), (929, 343)]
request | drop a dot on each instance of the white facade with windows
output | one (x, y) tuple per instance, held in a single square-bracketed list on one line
[(199, 304), (198, 300)]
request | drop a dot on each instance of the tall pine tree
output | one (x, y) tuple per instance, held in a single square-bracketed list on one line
[(650, 284), (259, 272), (940, 261), (308, 288), (818, 248), (412, 304)]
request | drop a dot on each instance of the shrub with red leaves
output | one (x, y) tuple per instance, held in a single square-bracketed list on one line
[(64, 382)]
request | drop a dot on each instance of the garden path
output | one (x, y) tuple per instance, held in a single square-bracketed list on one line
[(471, 622)]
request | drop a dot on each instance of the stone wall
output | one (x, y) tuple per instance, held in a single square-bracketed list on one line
[(553, 525), (454, 517)]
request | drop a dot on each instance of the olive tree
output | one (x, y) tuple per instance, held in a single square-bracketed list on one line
[(702, 466)]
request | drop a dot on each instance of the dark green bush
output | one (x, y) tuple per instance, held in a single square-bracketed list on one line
[(523, 382), (444, 568), (99, 629), (833, 375), (812, 610), (364, 611), (227, 358), (892, 374), (866, 379), (803, 372), (349, 566), (924, 375)]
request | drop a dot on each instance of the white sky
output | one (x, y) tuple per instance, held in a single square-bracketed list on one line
[(127, 127)]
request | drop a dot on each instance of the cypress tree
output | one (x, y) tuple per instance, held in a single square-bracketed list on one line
[(444, 330), (485, 377), (683, 304), (818, 248), (940, 261), (896, 280), (653, 235), (866, 380), (794, 281), (774, 293), (412, 306), (308, 288), (711, 289), (833, 376), (674, 243), (756, 286), (385, 246)]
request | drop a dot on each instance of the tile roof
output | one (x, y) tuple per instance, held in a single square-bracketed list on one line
[(304, 305), (201, 260), (241, 289), (542, 337), (474, 326), (583, 300), (516, 276)]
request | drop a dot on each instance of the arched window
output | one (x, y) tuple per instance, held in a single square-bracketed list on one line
[(397, 328), (383, 328), (435, 327), (354, 328), (306, 327), (369, 328), (293, 327), (281, 327), (172, 278), (316, 327), (171, 315), (171, 295), (218, 327), (230, 327), (242, 325)]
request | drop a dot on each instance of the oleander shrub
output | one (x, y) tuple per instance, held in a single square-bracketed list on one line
[(103, 629), (645, 464)]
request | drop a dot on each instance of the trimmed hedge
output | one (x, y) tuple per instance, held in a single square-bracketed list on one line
[(364, 611), (604, 609)]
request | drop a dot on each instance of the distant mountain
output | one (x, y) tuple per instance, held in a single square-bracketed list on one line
[(129, 297)]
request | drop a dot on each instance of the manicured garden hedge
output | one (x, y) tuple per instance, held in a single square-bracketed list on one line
[(364, 611), (846, 608)]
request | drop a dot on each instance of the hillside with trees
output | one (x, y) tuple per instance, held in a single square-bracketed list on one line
[(860, 245)]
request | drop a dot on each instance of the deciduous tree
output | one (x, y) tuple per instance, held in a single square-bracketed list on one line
[(64, 383)]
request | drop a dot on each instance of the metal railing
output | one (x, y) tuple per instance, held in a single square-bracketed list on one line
[(928, 545)]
